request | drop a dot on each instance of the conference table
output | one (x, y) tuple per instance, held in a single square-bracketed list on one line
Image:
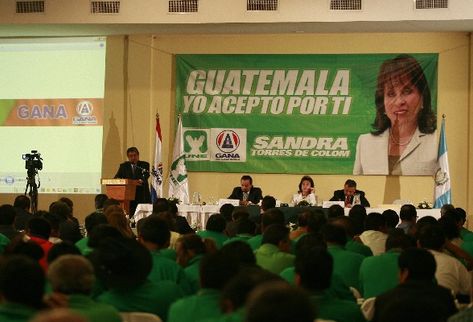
[(197, 215)]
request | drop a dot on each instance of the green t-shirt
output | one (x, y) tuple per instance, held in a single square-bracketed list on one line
[(165, 269), (82, 245), (237, 316), (239, 237), (93, 311), (359, 248), (379, 274), (255, 242), (149, 297), (269, 257), (331, 308), (203, 305), (192, 271), (4, 241), (346, 264), (219, 238)]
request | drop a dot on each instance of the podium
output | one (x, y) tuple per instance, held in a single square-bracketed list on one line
[(122, 190)]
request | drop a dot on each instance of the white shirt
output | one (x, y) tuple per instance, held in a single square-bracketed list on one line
[(310, 198), (375, 240), (451, 273)]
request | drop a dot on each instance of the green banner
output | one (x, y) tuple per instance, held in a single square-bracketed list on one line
[(280, 113)]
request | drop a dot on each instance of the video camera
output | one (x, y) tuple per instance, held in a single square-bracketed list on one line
[(33, 161)]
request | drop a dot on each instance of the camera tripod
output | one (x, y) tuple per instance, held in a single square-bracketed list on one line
[(33, 189)]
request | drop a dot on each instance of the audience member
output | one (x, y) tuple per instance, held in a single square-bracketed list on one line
[(391, 218), (273, 254), (214, 229), (358, 216), (408, 214), (245, 230), (170, 220), (375, 235), (353, 244), (241, 252), (91, 221), (215, 271), (466, 234), (73, 276), (279, 302), (7, 219), (61, 249), (116, 217), (110, 202), (450, 271), (380, 273), (99, 202), (68, 228), (38, 230), (314, 270), (335, 211), (417, 291), (21, 288), (22, 208), (345, 263), (226, 211), (268, 218), (53, 221)]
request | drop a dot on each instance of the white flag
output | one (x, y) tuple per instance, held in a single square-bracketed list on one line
[(157, 171), (178, 183), (443, 193)]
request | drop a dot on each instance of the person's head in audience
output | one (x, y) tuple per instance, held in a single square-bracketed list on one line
[(226, 211), (398, 240), (431, 237), (54, 222), (7, 215), (110, 202), (240, 213), (445, 208), (22, 202), (426, 220), (99, 201), (240, 251), (375, 221), (216, 223), (391, 217), (236, 291), (122, 264), (277, 235), (462, 214), (416, 264), (346, 223), (28, 248), (245, 226), (316, 221), (21, 281), (335, 211), (62, 249), (93, 220), (271, 217), (101, 232), (169, 218), (61, 210), (160, 205), (334, 235), (313, 268), (68, 202), (303, 219), (450, 227), (71, 274), (216, 270), (310, 240), (358, 216), (38, 227), (279, 302), (154, 233), (268, 202), (116, 217), (408, 213), (191, 245)]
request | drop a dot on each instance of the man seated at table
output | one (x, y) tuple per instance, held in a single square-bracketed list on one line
[(348, 193), (246, 193)]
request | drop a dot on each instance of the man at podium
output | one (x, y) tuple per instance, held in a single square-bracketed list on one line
[(136, 170)]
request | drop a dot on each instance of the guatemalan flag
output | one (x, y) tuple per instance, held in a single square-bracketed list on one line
[(157, 171), (443, 193)]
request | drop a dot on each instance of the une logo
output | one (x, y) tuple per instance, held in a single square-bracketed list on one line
[(228, 141), (84, 108)]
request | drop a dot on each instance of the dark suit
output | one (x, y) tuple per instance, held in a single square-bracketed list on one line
[(255, 194), (339, 195), (423, 295), (142, 194)]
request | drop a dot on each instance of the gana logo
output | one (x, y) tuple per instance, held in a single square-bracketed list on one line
[(228, 141), (84, 108)]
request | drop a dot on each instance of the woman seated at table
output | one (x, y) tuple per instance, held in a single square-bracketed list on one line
[(306, 192)]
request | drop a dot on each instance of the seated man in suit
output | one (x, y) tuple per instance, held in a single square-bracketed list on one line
[(246, 193), (136, 170), (348, 193)]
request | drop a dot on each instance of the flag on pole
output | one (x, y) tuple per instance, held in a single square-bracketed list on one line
[(178, 183), (157, 171), (443, 194)]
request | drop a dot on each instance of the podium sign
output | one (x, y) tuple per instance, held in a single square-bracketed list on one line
[(122, 190)]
